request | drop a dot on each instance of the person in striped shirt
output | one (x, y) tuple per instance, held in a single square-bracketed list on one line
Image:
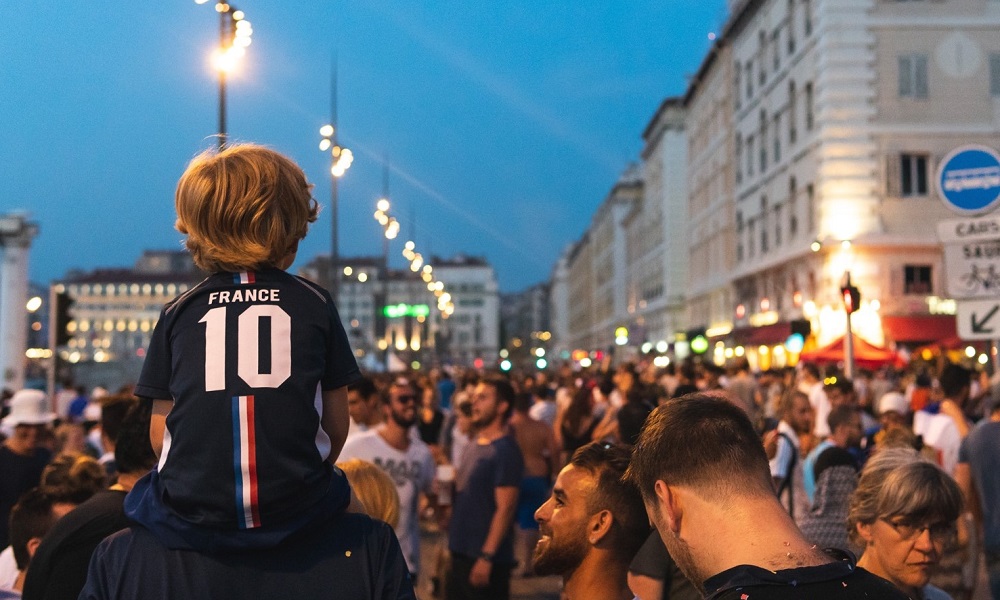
[(247, 371)]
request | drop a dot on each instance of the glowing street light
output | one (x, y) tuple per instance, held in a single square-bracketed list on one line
[(234, 38)]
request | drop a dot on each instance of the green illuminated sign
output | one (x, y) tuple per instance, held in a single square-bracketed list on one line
[(406, 310)]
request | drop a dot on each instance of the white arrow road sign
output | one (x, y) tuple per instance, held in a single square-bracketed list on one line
[(978, 319)]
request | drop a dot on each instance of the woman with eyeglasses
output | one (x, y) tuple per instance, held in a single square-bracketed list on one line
[(902, 515)]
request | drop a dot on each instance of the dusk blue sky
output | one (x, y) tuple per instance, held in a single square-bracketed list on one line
[(505, 123)]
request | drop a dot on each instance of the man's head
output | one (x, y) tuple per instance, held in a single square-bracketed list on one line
[(893, 411), (845, 426), (492, 402), (28, 419), (956, 381), (404, 398), (591, 507), (133, 452), (840, 392), (363, 400), (809, 372), (113, 411), (245, 207), (699, 445), (30, 519), (797, 411)]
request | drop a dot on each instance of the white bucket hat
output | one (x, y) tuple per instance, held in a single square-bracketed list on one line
[(895, 402), (28, 407)]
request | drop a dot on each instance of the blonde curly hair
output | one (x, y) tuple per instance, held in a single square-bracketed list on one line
[(243, 208)]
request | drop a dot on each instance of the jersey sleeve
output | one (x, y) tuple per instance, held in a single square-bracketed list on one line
[(154, 380), (341, 366)]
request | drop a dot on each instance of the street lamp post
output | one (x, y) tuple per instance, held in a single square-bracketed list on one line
[(234, 37), (390, 227), (340, 161)]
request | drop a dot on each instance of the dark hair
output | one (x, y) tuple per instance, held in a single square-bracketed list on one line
[(73, 478), (841, 384), (523, 401), (703, 441), (366, 387), (840, 415), (608, 463), (788, 401), (113, 410), (504, 390), (31, 517), (953, 379), (811, 369), (579, 408), (133, 452)]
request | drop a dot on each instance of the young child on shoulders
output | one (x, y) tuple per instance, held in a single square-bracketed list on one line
[(247, 371)]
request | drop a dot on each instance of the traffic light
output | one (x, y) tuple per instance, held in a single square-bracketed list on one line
[(801, 327), (60, 310), (697, 340), (852, 298)]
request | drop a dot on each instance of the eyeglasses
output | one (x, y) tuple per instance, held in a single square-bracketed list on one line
[(908, 530), (406, 399)]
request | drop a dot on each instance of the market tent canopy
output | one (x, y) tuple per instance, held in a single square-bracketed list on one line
[(866, 356)]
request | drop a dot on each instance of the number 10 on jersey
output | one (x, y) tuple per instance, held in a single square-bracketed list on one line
[(248, 347)]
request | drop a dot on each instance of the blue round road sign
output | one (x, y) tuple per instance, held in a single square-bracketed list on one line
[(969, 179)]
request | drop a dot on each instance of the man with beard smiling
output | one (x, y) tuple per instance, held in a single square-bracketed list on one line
[(704, 478), (592, 525), (405, 458)]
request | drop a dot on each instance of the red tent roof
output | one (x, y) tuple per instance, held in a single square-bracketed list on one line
[(866, 356)]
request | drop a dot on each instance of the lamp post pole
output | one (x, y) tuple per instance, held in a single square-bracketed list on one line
[(224, 42), (234, 38)]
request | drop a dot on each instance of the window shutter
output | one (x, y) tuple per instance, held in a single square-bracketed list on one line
[(995, 75), (920, 76), (892, 176), (905, 76)]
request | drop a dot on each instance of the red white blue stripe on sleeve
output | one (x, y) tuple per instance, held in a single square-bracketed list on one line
[(245, 463), (244, 277)]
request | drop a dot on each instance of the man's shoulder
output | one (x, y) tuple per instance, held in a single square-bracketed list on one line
[(364, 441), (841, 580)]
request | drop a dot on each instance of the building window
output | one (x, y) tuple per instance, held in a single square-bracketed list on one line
[(917, 279), (811, 206), (739, 236), (749, 77), (913, 76), (763, 141), (750, 146), (791, 26), (809, 106), (995, 75), (762, 52), (739, 158), (793, 217), (736, 85), (752, 227), (776, 50), (777, 138), (777, 225), (792, 112), (764, 246), (807, 19), (913, 174)]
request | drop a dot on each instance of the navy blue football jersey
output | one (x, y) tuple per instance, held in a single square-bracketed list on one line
[(245, 358)]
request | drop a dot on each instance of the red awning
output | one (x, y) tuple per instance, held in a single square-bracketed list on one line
[(919, 328), (866, 356), (766, 335)]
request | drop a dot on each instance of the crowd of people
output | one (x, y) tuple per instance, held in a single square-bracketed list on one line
[(252, 458)]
